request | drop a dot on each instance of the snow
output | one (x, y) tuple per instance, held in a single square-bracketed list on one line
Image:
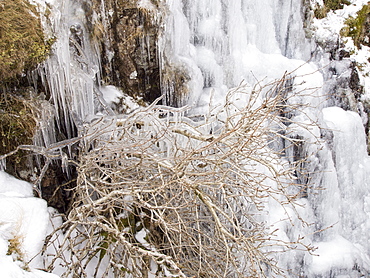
[(42, 2), (24, 218), (13, 187), (146, 4), (113, 96), (338, 253), (140, 237)]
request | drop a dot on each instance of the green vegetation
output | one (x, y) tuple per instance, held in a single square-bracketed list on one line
[(330, 5), (16, 123), (22, 43), (22, 47), (356, 26), (17, 127), (336, 4)]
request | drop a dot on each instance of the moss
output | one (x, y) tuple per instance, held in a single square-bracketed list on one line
[(22, 43), (16, 123), (336, 4), (356, 27), (17, 127), (330, 5)]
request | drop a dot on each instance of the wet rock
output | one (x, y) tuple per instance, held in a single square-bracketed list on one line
[(127, 35)]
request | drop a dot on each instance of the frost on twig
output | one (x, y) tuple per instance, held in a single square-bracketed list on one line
[(195, 189)]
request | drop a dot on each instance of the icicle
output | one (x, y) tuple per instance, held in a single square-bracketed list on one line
[(3, 164), (72, 73)]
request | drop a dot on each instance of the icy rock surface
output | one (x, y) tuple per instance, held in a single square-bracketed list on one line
[(340, 204)]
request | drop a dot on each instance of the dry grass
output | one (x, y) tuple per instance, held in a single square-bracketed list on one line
[(15, 250)]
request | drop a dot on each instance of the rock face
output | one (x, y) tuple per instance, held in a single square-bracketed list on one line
[(127, 35), (346, 71)]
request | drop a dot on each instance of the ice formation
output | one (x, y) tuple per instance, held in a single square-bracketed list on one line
[(220, 43)]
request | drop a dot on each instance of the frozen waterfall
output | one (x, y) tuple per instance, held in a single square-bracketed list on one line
[(213, 46), (220, 43)]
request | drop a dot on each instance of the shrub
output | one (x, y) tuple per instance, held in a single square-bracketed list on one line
[(177, 196)]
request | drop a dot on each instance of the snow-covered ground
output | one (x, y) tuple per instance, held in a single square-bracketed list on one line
[(23, 224)]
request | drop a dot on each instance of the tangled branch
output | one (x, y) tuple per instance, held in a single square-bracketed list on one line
[(160, 194)]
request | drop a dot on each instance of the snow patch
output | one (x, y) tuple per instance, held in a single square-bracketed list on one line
[(23, 221), (338, 253)]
